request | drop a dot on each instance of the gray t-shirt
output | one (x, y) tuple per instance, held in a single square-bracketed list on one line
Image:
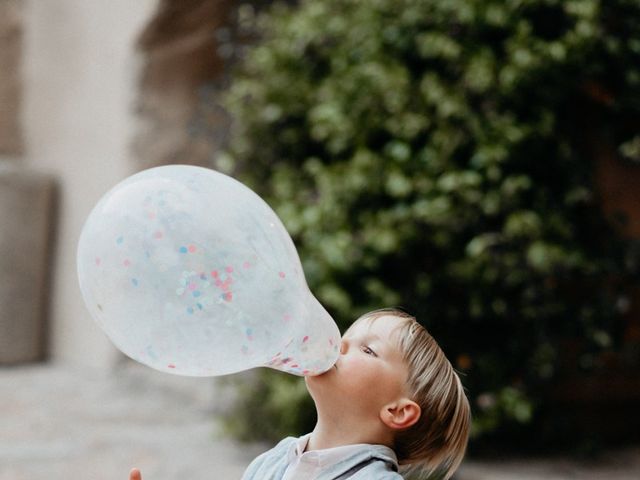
[(286, 461)]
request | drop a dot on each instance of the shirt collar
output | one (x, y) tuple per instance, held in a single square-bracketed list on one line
[(331, 456), (296, 450)]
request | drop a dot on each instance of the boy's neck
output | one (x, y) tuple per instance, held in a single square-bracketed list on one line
[(330, 435)]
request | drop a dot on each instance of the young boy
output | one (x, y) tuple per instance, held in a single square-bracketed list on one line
[(391, 399)]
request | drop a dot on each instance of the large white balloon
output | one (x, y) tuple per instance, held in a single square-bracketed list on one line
[(190, 272)]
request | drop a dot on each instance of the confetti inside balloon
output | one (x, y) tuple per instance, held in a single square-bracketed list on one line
[(190, 272)]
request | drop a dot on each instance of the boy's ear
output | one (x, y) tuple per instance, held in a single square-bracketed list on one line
[(400, 414)]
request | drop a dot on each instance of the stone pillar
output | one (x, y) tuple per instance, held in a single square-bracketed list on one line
[(80, 72), (26, 211)]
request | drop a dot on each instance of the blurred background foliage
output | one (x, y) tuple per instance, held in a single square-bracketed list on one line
[(439, 155)]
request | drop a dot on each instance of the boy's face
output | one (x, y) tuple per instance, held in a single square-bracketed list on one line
[(369, 373)]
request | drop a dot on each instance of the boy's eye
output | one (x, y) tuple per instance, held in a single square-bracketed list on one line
[(366, 349)]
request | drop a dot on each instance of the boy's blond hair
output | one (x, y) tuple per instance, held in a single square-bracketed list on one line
[(437, 441)]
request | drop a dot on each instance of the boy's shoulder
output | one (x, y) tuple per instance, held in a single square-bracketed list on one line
[(272, 463)]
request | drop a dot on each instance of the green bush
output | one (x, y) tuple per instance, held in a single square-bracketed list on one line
[(439, 155)]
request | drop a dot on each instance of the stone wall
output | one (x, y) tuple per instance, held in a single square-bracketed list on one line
[(10, 88), (180, 49), (618, 185), (26, 211)]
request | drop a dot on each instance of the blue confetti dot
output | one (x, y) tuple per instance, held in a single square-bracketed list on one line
[(196, 294), (190, 311), (183, 250), (151, 353), (120, 240), (134, 281), (199, 306)]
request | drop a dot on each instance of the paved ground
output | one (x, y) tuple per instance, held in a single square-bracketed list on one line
[(61, 423), (69, 424)]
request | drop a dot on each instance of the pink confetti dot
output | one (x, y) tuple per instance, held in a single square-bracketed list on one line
[(192, 248), (151, 215), (229, 269), (158, 235), (305, 339), (228, 296), (214, 273), (286, 317), (171, 365), (192, 286), (282, 275), (246, 265), (126, 263), (98, 261)]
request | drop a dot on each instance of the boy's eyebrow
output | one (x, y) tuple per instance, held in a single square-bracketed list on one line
[(366, 334), (375, 336)]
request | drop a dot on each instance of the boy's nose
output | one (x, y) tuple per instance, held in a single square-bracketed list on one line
[(344, 346)]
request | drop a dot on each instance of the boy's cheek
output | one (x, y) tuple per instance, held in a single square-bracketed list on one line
[(356, 372), (352, 362)]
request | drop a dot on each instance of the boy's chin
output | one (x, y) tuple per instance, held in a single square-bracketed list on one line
[(311, 379)]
